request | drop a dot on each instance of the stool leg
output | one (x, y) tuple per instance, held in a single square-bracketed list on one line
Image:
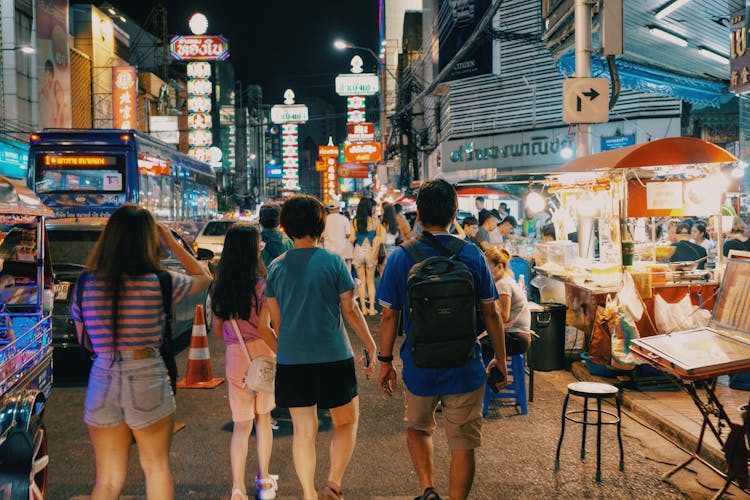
[(598, 439), (531, 383), (619, 436), (562, 432), (583, 432)]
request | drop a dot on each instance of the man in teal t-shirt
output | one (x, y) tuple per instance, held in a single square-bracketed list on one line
[(275, 242)]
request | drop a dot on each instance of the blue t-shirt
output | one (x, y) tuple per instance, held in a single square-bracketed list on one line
[(307, 282), (392, 294)]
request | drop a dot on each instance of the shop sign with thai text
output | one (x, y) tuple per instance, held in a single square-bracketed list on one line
[(199, 48), (362, 84), (354, 170), (324, 151), (363, 152), (517, 151), (361, 132), (289, 113), (739, 64)]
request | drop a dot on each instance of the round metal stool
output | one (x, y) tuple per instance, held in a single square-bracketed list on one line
[(596, 391)]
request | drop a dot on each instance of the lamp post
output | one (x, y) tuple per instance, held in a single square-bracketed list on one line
[(26, 49), (342, 45)]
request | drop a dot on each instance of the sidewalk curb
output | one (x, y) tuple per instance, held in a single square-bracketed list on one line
[(671, 424)]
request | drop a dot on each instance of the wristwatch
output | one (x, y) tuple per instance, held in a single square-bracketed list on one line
[(385, 359)]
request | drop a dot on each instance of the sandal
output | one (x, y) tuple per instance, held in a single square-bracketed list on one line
[(428, 494), (331, 491), (267, 487), (237, 492)]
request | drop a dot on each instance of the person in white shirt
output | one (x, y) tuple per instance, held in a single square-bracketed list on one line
[(336, 234)]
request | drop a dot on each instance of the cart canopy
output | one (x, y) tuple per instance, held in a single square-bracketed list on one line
[(661, 152), (17, 199)]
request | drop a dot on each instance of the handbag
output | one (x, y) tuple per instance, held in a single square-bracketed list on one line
[(261, 373)]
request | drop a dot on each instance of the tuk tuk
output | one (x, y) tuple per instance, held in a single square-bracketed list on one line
[(26, 297)]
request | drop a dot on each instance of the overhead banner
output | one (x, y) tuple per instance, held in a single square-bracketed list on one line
[(124, 97), (52, 55), (455, 22)]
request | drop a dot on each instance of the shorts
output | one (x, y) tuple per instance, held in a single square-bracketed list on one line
[(131, 391), (462, 416), (327, 385), (362, 256), (244, 403)]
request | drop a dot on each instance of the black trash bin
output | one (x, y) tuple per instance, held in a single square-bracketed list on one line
[(547, 350)]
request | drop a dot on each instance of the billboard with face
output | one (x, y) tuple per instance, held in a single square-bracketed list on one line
[(54, 63)]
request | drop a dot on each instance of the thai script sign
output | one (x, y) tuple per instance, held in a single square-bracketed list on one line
[(354, 170), (363, 152), (361, 84), (289, 113), (199, 48), (361, 132), (324, 151)]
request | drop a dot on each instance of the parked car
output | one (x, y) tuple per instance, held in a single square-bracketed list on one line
[(211, 236), (71, 242)]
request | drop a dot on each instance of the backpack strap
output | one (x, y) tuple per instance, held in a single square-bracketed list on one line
[(85, 344), (165, 283), (415, 251), (267, 246), (450, 249)]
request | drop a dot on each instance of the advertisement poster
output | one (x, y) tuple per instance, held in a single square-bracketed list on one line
[(455, 22), (54, 63)]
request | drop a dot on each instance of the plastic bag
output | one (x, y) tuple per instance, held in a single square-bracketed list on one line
[(600, 343), (629, 297), (681, 315), (622, 335)]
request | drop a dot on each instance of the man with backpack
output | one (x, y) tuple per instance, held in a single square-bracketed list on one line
[(447, 295), (275, 242)]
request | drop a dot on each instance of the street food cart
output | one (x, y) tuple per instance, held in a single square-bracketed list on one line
[(25, 342), (606, 195), (698, 357)]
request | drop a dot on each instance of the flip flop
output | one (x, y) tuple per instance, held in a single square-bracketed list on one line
[(428, 494), (331, 491)]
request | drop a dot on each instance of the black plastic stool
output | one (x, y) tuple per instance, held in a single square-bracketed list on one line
[(596, 391)]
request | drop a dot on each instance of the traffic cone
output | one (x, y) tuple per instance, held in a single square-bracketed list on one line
[(199, 359)]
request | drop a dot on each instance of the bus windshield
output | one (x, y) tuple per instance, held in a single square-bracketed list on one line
[(93, 173)]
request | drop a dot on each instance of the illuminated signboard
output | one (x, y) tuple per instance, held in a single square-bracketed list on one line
[(199, 121), (79, 161), (362, 84), (199, 70), (361, 132), (324, 151), (363, 152), (200, 86), (199, 48), (355, 102), (290, 158), (200, 137), (124, 97), (289, 113), (354, 170), (199, 104), (152, 166), (274, 172)]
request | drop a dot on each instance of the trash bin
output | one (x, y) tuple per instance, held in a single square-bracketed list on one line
[(547, 350)]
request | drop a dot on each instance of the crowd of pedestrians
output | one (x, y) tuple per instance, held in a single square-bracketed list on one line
[(287, 295)]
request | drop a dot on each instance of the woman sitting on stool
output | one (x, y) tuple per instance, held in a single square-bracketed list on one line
[(513, 306)]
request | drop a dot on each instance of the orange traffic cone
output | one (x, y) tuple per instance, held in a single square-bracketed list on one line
[(199, 359)]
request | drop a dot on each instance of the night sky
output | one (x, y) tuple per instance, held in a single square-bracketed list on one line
[(280, 44)]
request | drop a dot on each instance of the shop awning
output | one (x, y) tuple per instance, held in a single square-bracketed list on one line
[(17, 199), (661, 152), (482, 191)]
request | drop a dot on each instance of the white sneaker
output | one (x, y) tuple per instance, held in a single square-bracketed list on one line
[(267, 493)]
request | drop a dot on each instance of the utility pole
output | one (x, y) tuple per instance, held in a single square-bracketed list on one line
[(583, 68)]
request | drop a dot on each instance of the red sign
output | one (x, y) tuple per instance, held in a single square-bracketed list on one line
[(324, 151), (199, 48), (363, 152), (124, 97), (354, 170), (320, 166), (361, 132)]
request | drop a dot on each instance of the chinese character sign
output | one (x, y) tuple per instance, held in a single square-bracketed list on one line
[(124, 97), (739, 65)]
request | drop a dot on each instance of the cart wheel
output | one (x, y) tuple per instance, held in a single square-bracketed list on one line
[(39, 459)]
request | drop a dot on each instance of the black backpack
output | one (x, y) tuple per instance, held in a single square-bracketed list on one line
[(166, 349), (442, 304)]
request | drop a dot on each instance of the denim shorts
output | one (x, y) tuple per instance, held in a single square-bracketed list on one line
[(131, 391)]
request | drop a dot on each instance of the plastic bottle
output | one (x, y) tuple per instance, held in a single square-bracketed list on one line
[(522, 283)]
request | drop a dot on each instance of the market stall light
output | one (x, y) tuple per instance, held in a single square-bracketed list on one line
[(669, 8), (738, 172), (715, 56), (669, 37), (566, 153), (535, 202)]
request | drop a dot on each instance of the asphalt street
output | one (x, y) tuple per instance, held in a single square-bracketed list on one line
[(515, 461)]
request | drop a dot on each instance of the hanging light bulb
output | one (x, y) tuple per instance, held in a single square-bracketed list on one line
[(535, 202)]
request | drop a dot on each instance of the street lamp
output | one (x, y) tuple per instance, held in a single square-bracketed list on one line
[(26, 49), (341, 45)]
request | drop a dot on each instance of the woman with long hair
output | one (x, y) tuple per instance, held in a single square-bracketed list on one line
[(366, 233), (512, 304), (309, 291), (121, 316), (239, 294), (389, 232), (699, 235)]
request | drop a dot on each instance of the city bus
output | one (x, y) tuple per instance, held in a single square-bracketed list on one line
[(91, 172)]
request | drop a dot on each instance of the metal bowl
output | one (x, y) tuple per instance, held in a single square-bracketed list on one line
[(688, 265)]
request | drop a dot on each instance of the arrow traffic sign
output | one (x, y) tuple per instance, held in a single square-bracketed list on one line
[(585, 100)]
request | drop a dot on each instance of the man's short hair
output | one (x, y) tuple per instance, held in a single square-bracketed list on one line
[(268, 215), (437, 203), (469, 221), (303, 215), (485, 214), (504, 205), (480, 198), (549, 230), (682, 228), (510, 220)]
